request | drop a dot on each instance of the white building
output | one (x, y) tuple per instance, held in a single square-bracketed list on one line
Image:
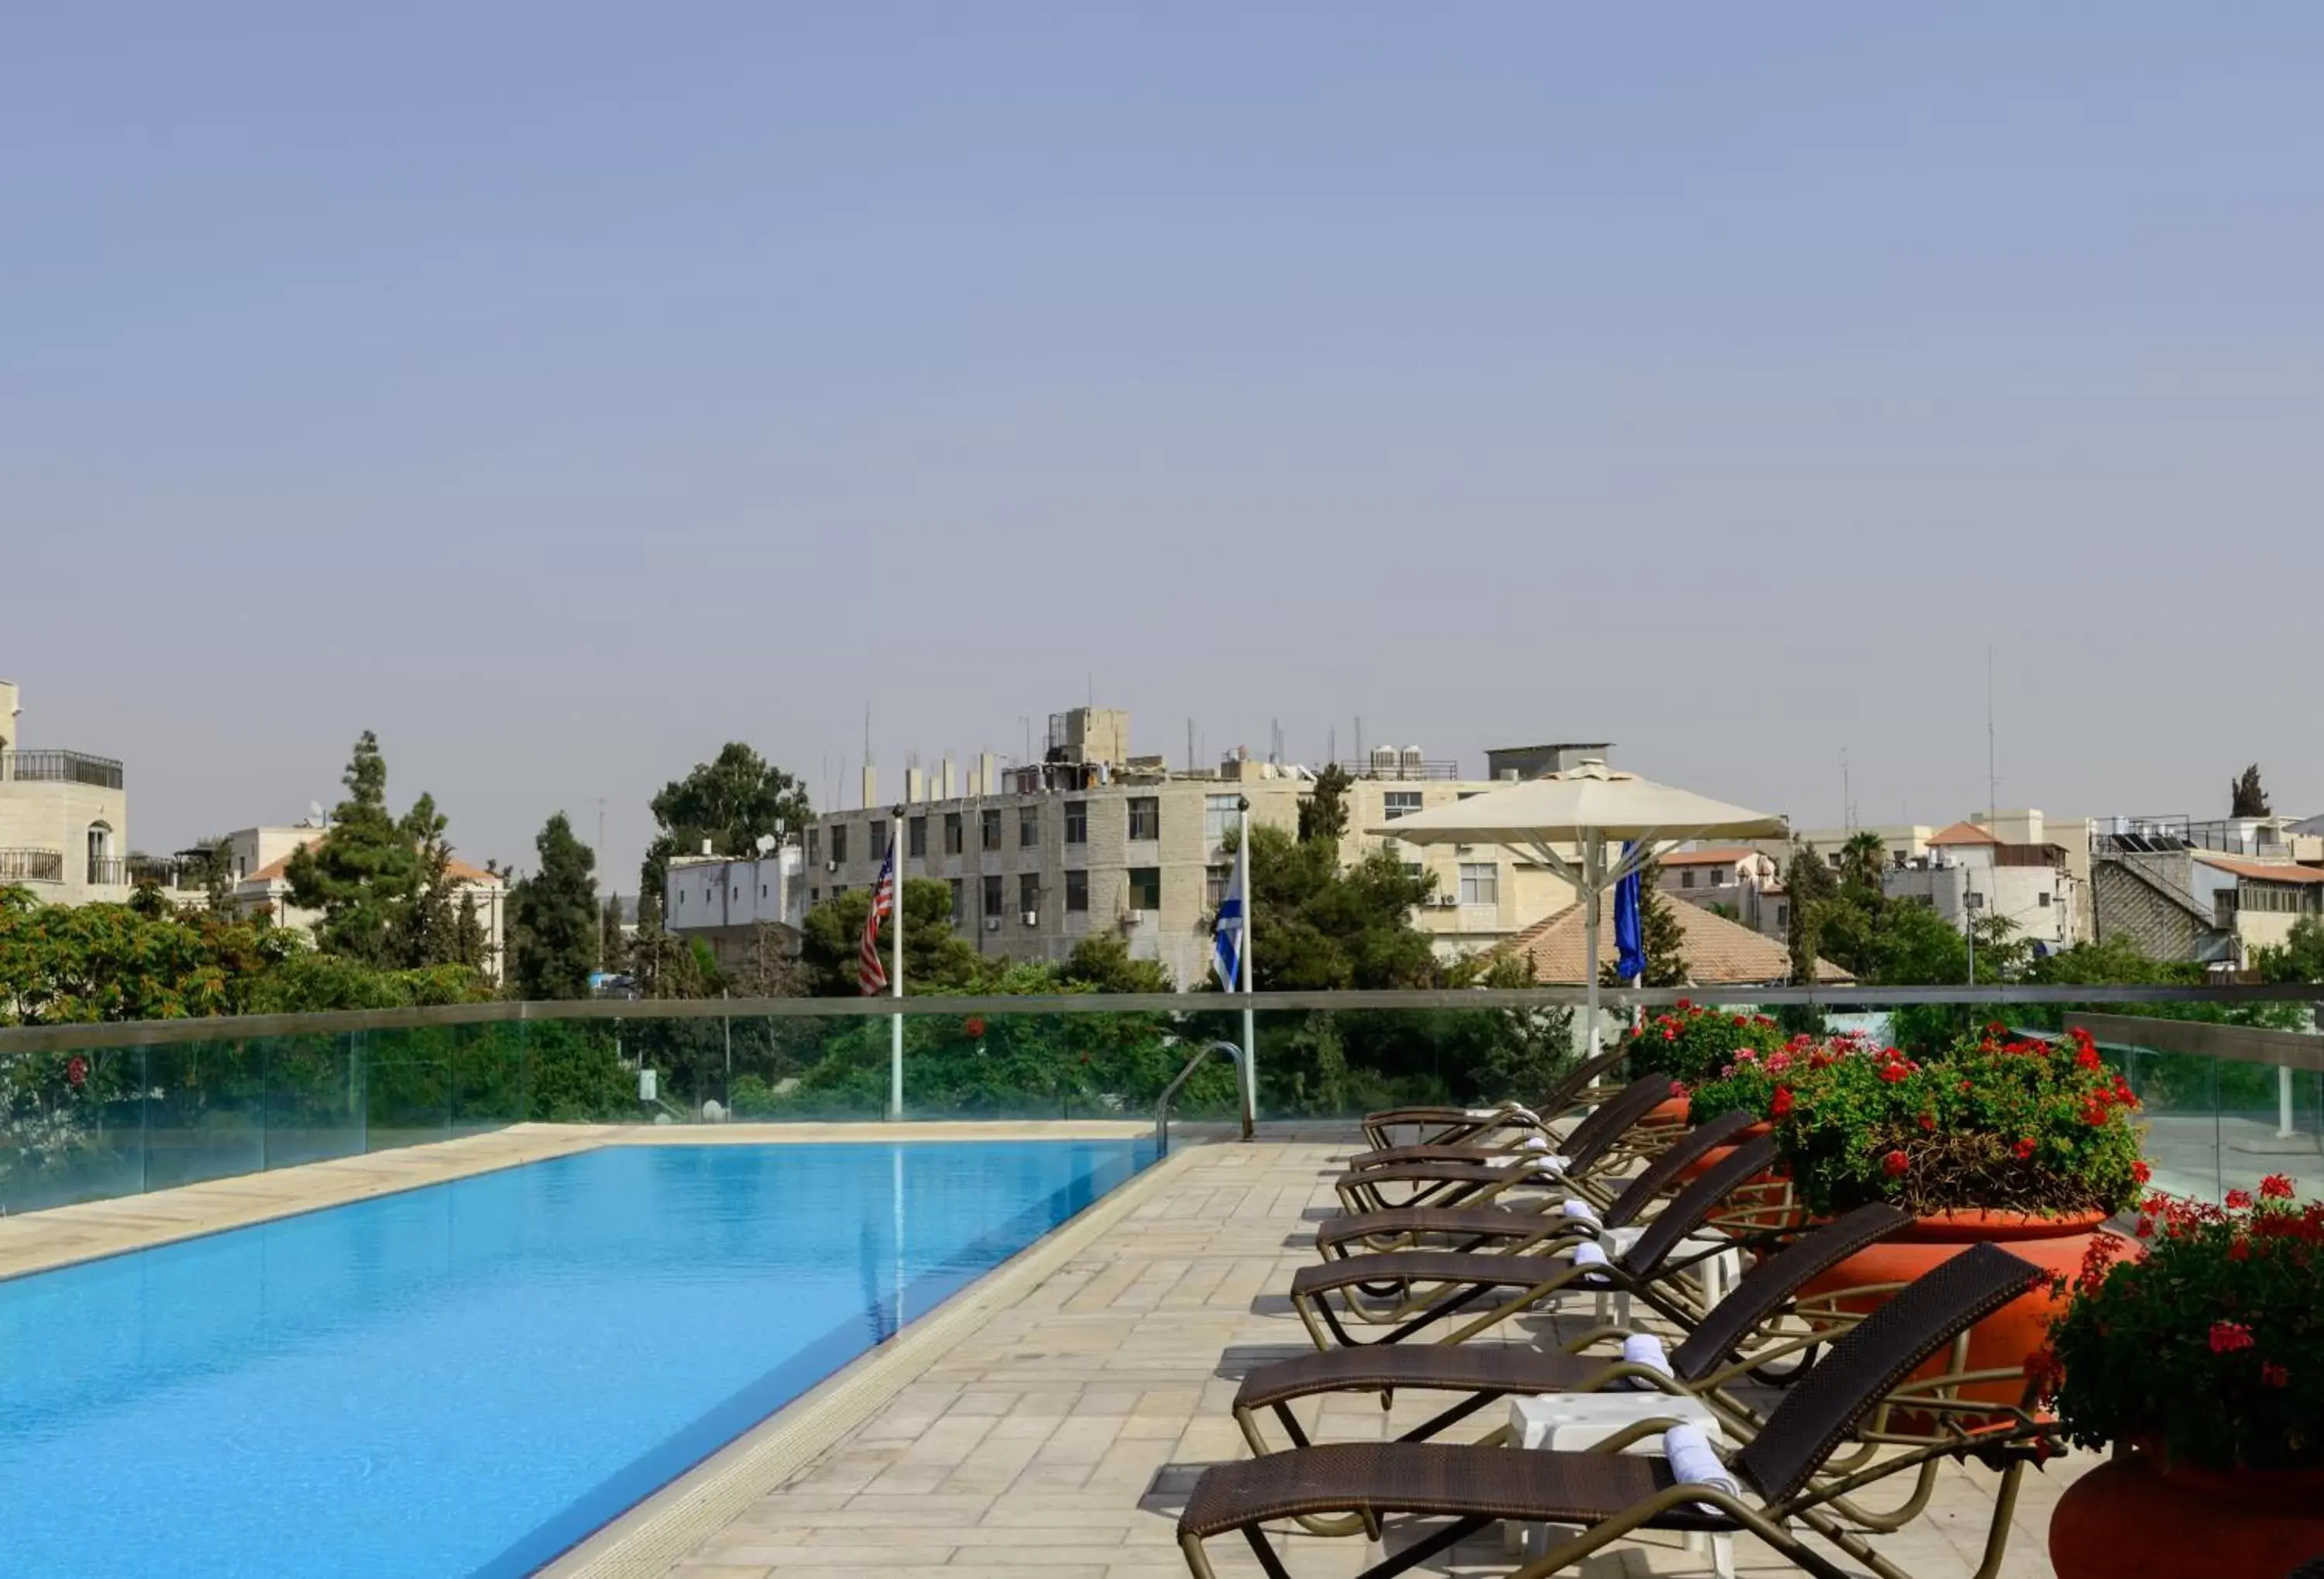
[(727, 900), (258, 862), (1968, 872), (64, 818)]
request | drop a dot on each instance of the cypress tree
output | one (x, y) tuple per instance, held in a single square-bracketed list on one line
[(556, 913)]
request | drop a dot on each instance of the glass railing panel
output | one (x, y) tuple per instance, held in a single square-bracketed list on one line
[(407, 1085), (205, 1110), (314, 1107), (71, 1127), (488, 1076)]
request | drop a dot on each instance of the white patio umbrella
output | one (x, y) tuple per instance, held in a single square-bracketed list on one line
[(1585, 806)]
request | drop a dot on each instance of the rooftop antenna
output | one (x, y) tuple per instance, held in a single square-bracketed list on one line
[(1332, 744), (1847, 795), (1190, 745), (1992, 779), (1359, 743)]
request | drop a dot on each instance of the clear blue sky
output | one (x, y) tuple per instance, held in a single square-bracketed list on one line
[(560, 390)]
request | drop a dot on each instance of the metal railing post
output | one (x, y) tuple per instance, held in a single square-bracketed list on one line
[(1243, 1090)]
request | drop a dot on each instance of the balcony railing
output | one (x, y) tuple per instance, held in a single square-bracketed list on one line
[(107, 871), (32, 866), (59, 766)]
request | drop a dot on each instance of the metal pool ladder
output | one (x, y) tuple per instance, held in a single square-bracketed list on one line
[(1243, 1089)]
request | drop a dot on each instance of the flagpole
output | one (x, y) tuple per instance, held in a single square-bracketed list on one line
[(1250, 1054), (1593, 872), (896, 987)]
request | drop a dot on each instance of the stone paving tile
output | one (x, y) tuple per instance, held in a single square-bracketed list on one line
[(1058, 1439)]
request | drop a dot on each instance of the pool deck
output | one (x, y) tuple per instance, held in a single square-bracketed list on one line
[(1057, 1436), (1048, 1420)]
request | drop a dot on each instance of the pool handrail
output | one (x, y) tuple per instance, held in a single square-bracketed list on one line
[(1242, 1088)]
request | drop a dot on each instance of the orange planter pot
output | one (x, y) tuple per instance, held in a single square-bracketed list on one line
[(2136, 1517), (2007, 1338), (1670, 1111), (1719, 1154)]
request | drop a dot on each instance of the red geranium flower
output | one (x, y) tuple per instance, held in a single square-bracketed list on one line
[(2140, 1172), (1928, 1123), (2270, 1374), (1893, 1072), (77, 1070), (2238, 1199), (2087, 1059), (973, 1025), (2239, 1250), (1895, 1163), (1781, 1104), (2023, 1149), (2228, 1336), (2276, 1186)]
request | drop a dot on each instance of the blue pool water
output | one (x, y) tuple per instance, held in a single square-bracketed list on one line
[(467, 1379)]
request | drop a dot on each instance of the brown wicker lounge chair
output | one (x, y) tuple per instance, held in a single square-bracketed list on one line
[(1784, 1479), (1376, 1290), (1528, 1226), (1452, 1125), (1595, 1145), (1736, 1338)]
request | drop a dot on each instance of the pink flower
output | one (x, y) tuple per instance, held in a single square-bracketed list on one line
[(1669, 1035), (2228, 1336)]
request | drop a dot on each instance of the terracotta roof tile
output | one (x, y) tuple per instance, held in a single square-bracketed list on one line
[(1719, 952), (460, 870), (1963, 833), (2260, 871)]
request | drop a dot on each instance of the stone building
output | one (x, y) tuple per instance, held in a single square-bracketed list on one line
[(1095, 839), (64, 817)]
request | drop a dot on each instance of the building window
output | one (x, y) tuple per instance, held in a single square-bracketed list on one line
[(877, 847), (915, 838), (1480, 883), (959, 894), (1028, 826), (1145, 817), (952, 833), (1078, 822), (1396, 803), (1028, 897), (1218, 820), (837, 889), (1686, 877), (762, 890), (1783, 917), (1215, 886), (1145, 887), (2042, 898), (992, 894), (839, 843), (814, 845), (988, 829), (1414, 870), (681, 897), (1076, 890), (1718, 876)]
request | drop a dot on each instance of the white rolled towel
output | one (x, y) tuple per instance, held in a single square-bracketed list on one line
[(1533, 1143), (1587, 1256), (1645, 1349), (1545, 1163), (1583, 1213), (1693, 1463)]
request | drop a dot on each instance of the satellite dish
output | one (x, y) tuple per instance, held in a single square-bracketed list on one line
[(315, 812), (766, 843)]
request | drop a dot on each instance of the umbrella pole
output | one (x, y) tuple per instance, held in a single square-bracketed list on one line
[(1594, 872)]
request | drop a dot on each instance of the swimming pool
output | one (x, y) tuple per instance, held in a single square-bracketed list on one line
[(469, 1378)]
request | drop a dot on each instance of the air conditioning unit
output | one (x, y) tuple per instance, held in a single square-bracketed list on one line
[(1450, 901), (992, 923), (1032, 917)]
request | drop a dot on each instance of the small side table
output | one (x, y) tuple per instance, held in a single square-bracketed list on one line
[(1575, 1422)]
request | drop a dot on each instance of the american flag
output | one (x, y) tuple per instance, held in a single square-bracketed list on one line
[(873, 980)]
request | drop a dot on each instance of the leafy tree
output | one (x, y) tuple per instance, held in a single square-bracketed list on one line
[(1101, 963), (469, 944), (1809, 884), (555, 915), (363, 870), (1327, 928), (611, 947), (426, 927), (731, 800), (1323, 814), (2244, 796), (214, 863), (2300, 958), (934, 959), (1661, 935)]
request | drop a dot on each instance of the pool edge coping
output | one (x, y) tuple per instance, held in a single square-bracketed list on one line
[(655, 1535)]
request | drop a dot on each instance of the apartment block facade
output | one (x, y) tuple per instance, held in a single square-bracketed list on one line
[(1096, 840), (64, 817)]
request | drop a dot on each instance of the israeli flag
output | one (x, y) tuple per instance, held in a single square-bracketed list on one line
[(1226, 934)]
